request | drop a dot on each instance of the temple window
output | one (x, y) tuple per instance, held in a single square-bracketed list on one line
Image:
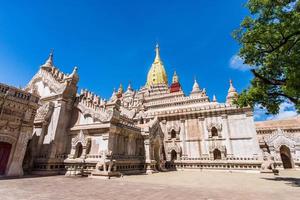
[(141, 121), (217, 154), (173, 134), (214, 132)]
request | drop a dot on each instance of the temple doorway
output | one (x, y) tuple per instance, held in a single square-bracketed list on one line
[(78, 151), (5, 149), (173, 155), (286, 157), (217, 154)]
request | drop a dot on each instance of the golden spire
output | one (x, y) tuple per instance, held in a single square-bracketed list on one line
[(157, 73)]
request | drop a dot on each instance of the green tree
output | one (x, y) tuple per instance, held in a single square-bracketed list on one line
[(270, 42)]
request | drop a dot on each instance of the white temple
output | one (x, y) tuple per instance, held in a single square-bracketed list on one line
[(155, 128)]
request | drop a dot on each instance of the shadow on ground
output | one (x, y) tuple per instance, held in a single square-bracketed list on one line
[(295, 182), (25, 176)]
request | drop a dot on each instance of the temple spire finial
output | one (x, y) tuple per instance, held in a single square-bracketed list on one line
[(120, 90), (231, 87), (49, 61), (232, 93), (129, 88), (196, 87), (74, 72), (157, 53), (214, 98), (175, 78)]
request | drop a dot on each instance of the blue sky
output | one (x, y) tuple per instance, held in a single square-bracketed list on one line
[(112, 42)]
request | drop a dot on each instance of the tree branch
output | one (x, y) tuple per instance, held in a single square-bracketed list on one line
[(282, 42), (268, 81), (292, 99)]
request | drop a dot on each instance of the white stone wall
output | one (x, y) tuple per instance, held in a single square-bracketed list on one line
[(236, 134), (243, 136)]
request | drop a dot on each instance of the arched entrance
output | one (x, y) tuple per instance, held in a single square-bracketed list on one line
[(173, 155), (286, 157), (217, 154), (5, 149)]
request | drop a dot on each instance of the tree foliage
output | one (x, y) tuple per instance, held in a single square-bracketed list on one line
[(270, 42)]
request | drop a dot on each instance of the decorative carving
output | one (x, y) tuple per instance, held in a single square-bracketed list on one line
[(176, 147), (279, 138), (79, 138), (173, 146), (214, 133), (173, 128), (8, 139), (213, 124), (100, 114), (216, 145), (48, 80), (44, 112)]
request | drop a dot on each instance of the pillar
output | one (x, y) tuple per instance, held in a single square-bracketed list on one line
[(183, 131), (226, 134)]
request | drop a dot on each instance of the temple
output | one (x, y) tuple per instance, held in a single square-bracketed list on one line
[(155, 128)]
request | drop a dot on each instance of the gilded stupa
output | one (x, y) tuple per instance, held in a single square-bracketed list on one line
[(157, 74)]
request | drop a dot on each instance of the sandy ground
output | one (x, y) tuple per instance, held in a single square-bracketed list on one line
[(168, 185)]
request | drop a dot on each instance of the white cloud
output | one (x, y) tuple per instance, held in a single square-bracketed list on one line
[(286, 110), (236, 62)]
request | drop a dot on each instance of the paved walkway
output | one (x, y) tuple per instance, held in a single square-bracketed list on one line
[(185, 185)]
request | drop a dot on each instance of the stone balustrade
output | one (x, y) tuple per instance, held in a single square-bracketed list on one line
[(17, 93)]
